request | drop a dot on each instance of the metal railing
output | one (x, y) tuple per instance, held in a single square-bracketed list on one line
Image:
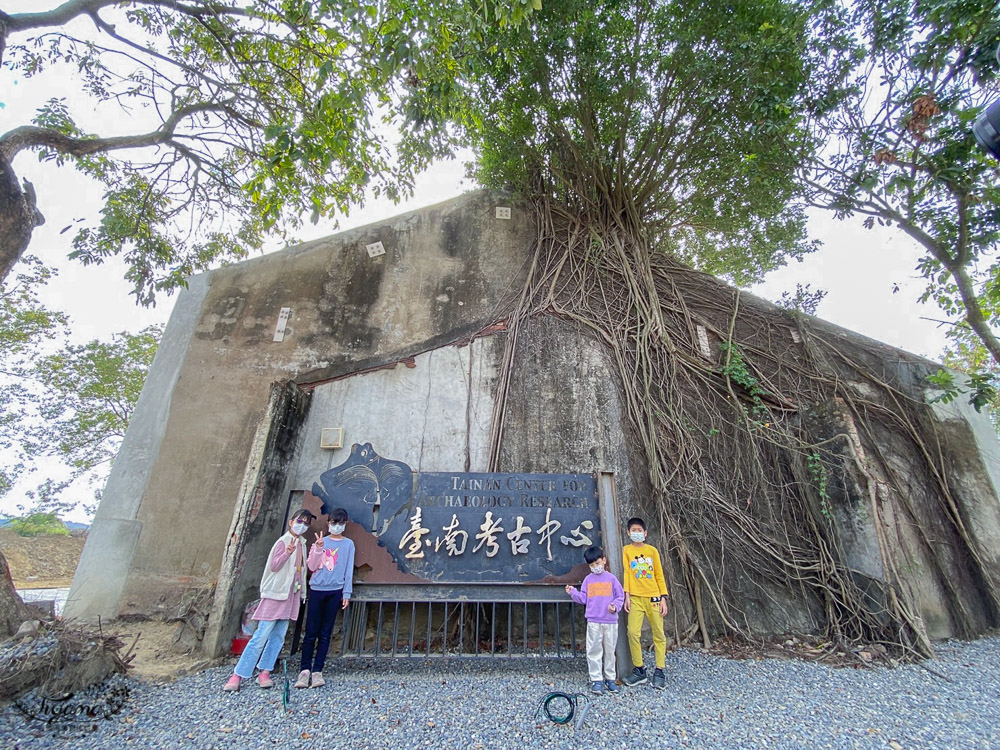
[(461, 629)]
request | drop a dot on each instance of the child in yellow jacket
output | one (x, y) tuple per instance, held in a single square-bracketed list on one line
[(645, 598)]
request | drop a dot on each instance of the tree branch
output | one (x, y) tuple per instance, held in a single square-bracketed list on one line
[(74, 8), (974, 311), (55, 17), (31, 136)]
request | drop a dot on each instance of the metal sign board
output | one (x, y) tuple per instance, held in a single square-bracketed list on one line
[(454, 527)]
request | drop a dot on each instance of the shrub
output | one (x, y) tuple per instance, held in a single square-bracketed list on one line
[(34, 524)]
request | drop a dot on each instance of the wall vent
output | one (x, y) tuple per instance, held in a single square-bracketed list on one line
[(331, 437)]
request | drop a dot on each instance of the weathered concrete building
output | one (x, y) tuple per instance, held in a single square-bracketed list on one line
[(400, 344)]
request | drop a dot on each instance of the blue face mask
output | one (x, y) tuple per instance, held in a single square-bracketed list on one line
[(299, 528), (337, 528)]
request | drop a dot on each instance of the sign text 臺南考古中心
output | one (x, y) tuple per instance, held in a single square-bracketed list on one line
[(467, 527)]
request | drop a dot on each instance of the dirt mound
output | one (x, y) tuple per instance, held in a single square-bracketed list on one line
[(45, 561), (59, 660), (156, 649)]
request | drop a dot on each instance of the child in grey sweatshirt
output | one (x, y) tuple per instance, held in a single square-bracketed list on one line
[(331, 562)]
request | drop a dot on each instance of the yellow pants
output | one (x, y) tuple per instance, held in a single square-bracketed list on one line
[(642, 608)]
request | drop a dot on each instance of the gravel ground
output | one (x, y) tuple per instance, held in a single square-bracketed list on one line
[(709, 702)]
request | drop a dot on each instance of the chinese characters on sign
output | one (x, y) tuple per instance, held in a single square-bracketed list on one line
[(495, 527), (488, 532)]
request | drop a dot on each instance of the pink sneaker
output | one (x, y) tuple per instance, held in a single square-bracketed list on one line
[(233, 686), (264, 679)]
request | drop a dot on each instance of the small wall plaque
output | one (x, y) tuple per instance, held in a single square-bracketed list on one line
[(279, 329), (703, 342)]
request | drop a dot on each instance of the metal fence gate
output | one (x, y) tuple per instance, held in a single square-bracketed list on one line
[(464, 628)]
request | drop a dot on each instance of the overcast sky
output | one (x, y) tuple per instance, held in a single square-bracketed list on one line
[(858, 268)]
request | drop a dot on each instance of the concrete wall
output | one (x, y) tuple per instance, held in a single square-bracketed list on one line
[(563, 413), (261, 512), (969, 443), (111, 543), (162, 524), (395, 350), (434, 414)]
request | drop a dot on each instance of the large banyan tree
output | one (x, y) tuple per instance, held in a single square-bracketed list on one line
[(653, 137), (656, 136)]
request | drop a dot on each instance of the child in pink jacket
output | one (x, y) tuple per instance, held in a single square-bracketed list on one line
[(282, 587)]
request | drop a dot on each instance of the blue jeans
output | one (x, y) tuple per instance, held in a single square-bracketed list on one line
[(263, 649)]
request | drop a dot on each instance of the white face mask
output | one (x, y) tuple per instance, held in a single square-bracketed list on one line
[(637, 536), (299, 528), (337, 528), (597, 569)]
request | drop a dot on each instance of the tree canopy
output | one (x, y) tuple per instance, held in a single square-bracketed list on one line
[(688, 118), (261, 113), (72, 405), (25, 325), (900, 149), (89, 392)]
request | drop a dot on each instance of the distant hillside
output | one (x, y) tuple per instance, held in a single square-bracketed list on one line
[(44, 561), (71, 525)]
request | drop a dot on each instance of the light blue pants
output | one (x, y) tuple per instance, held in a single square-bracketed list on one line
[(263, 649)]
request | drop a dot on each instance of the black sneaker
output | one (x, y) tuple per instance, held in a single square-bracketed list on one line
[(636, 677), (659, 679)]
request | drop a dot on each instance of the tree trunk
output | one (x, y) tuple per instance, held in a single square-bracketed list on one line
[(18, 217), (12, 609)]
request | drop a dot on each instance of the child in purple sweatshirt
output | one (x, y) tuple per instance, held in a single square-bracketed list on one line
[(603, 595)]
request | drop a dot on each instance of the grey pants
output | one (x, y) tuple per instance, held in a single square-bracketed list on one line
[(601, 641)]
